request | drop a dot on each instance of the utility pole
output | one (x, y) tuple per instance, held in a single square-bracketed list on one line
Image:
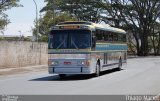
[(37, 31), (37, 25), (54, 12)]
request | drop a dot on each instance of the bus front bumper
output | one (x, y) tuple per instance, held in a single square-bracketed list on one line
[(69, 70)]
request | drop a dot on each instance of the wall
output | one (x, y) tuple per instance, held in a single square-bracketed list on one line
[(21, 54)]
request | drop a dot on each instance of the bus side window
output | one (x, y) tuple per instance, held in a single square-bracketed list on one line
[(110, 37), (115, 37), (99, 35), (106, 36), (102, 35), (94, 39), (124, 38), (120, 37)]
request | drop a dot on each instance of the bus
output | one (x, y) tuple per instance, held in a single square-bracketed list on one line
[(80, 47)]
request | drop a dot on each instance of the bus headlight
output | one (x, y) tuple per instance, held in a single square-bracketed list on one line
[(83, 63), (52, 62)]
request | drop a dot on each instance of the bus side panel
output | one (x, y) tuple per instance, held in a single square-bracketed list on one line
[(108, 60)]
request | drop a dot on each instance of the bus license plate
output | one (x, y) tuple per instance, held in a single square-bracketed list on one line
[(67, 63)]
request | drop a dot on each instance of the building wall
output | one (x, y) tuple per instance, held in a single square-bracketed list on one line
[(21, 54)]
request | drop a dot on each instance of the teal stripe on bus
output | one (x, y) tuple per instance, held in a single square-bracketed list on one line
[(111, 47)]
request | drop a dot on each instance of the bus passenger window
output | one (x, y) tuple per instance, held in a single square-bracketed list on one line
[(98, 35), (94, 39), (120, 38), (124, 38), (106, 36), (110, 37), (115, 37)]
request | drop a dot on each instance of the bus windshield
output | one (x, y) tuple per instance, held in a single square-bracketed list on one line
[(70, 39)]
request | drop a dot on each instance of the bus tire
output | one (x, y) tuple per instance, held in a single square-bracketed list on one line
[(97, 73), (62, 76), (120, 63)]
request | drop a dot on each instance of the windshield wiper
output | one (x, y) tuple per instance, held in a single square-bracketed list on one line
[(72, 42), (61, 44)]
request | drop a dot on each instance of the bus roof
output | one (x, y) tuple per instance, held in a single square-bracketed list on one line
[(105, 27), (75, 22)]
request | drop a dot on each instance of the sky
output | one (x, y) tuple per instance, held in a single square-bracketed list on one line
[(22, 18)]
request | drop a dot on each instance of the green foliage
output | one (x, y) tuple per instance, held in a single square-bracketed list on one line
[(87, 10), (27, 39), (1, 38), (3, 21), (43, 38), (139, 17), (57, 11), (49, 20), (5, 5)]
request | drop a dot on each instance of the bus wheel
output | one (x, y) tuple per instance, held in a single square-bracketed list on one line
[(62, 76), (120, 63), (97, 73)]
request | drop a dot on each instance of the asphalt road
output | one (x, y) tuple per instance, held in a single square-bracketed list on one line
[(138, 76)]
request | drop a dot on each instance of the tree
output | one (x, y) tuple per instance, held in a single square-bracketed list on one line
[(52, 16), (139, 16), (154, 38), (49, 20), (56, 12), (87, 10), (5, 5)]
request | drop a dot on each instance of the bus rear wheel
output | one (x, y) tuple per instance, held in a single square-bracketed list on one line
[(120, 63), (62, 76), (97, 73)]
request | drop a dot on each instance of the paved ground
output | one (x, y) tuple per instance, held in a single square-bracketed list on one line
[(21, 70), (139, 76)]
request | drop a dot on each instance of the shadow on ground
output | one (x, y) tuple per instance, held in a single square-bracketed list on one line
[(73, 77)]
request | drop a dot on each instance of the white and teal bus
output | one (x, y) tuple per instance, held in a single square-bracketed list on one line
[(85, 48)]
